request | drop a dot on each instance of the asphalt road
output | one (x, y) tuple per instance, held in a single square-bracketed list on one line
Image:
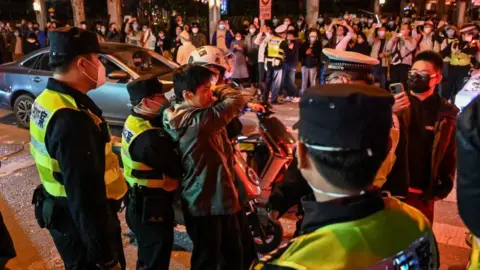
[(35, 249)]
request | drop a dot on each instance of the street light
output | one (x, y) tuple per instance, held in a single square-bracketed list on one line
[(36, 6)]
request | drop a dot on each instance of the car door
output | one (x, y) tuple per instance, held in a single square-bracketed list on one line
[(112, 97), (39, 74)]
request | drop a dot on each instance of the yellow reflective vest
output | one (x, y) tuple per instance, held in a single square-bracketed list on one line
[(274, 51), (459, 58), (355, 244), (135, 171), (43, 109)]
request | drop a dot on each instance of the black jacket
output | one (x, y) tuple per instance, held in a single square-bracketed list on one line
[(443, 162), (313, 60), (77, 143), (468, 173)]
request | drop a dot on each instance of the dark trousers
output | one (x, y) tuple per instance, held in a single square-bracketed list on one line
[(216, 242), (253, 72), (399, 74), (248, 246), (456, 80), (69, 242), (155, 240), (425, 206), (289, 80), (380, 75), (7, 250)]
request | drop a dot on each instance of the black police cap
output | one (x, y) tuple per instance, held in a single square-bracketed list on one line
[(68, 42), (337, 117), (145, 86)]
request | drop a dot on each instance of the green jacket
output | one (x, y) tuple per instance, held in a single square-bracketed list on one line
[(208, 186)]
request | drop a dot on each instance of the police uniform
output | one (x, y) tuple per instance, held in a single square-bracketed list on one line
[(348, 66), (460, 53), (357, 231), (82, 185), (151, 167), (274, 57)]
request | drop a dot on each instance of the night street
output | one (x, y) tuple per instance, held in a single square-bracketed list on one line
[(18, 178)]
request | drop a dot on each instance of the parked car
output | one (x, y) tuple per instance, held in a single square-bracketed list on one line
[(23, 80)]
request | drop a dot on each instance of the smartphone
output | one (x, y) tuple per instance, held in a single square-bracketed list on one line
[(396, 88)]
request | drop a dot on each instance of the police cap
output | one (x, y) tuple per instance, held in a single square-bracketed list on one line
[(68, 42), (281, 29), (338, 117), (145, 86), (338, 60)]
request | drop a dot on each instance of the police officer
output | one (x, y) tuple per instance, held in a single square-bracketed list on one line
[(275, 51), (341, 67), (70, 143), (347, 224), (152, 167), (460, 53)]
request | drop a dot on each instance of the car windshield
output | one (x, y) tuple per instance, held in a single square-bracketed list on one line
[(145, 62)]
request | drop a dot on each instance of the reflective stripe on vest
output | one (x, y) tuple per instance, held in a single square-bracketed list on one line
[(274, 50), (356, 244), (138, 172), (44, 107)]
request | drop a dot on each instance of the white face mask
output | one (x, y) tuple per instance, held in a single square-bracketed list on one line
[(252, 31), (299, 23), (345, 17), (221, 27), (135, 26), (101, 79), (320, 20), (238, 38), (83, 26), (330, 194), (275, 21), (194, 30), (381, 33), (16, 34), (143, 109), (450, 33), (313, 39), (370, 21), (286, 22)]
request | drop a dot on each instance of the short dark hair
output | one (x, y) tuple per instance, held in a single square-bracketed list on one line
[(349, 170), (189, 77), (432, 57), (83, 22), (292, 33)]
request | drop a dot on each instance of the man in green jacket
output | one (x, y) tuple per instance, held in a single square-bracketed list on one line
[(209, 195)]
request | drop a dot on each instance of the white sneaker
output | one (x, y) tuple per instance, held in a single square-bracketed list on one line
[(289, 98), (296, 100)]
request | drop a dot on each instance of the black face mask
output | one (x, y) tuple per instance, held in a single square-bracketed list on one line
[(418, 83)]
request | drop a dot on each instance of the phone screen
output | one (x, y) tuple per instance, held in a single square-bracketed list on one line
[(396, 88)]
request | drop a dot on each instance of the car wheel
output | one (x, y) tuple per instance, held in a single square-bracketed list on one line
[(22, 107)]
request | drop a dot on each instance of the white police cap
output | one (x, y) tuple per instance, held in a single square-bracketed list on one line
[(281, 29)]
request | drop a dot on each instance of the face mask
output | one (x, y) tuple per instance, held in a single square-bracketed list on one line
[(418, 83), (221, 27), (450, 33), (104, 30), (30, 26), (228, 74), (392, 24), (180, 24), (370, 21), (16, 34), (101, 79), (345, 17), (362, 20), (238, 38), (252, 31), (178, 33), (313, 39), (320, 20), (286, 22), (194, 30), (144, 29), (83, 26), (428, 30), (161, 36), (381, 33), (145, 110), (135, 26), (329, 194), (299, 23)]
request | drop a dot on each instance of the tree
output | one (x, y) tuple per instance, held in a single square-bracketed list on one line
[(312, 11), (78, 9)]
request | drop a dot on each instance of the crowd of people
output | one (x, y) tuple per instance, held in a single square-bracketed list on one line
[(368, 169)]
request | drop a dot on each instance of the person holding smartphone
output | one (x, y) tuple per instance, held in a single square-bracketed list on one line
[(426, 154)]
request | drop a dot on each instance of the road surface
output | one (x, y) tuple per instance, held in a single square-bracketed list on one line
[(35, 249)]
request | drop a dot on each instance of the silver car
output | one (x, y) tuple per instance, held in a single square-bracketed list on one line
[(23, 80)]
